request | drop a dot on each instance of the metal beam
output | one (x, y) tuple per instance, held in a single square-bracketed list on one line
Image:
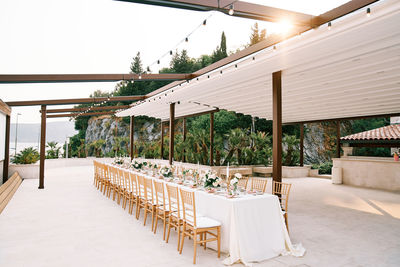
[(86, 108), (74, 101), (82, 115), (71, 78), (277, 126), (346, 118), (6, 161), (338, 139), (197, 114), (162, 141), (42, 147), (301, 144), (132, 137), (171, 132), (184, 138), (241, 9), (212, 139)]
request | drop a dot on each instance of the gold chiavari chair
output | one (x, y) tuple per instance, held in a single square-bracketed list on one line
[(282, 190), (114, 182), (134, 194), (150, 205), (162, 210), (243, 182), (107, 180), (174, 216), (96, 173), (194, 226), (259, 184), (141, 200), (127, 191)]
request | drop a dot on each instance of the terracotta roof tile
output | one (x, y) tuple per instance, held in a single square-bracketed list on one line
[(391, 132)]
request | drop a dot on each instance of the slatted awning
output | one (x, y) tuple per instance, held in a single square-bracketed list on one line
[(351, 70)]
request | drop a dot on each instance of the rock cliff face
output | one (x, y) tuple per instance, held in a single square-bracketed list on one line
[(108, 128)]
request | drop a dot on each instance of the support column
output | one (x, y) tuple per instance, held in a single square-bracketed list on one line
[(162, 140), (132, 137), (184, 138), (171, 132), (6, 150), (42, 147), (338, 139), (301, 144), (211, 139), (277, 126)]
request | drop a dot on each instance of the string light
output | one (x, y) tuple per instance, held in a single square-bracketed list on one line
[(329, 26), (205, 22), (368, 12), (186, 39), (231, 11), (140, 76)]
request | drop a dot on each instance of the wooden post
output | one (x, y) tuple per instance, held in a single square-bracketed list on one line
[(338, 139), (171, 132), (301, 144), (184, 138), (277, 126), (132, 137), (6, 150), (42, 147), (162, 140), (211, 139)]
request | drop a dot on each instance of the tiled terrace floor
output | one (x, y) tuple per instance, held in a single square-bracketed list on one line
[(70, 223)]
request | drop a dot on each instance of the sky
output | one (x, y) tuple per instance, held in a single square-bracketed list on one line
[(102, 36)]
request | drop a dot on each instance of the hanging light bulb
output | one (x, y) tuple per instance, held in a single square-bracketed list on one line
[(148, 69), (368, 12), (170, 52), (158, 61), (186, 39), (274, 48), (205, 22), (231, 11), (140, 76), (329, 26)]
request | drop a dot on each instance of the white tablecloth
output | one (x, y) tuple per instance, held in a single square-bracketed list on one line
[(252, 227)]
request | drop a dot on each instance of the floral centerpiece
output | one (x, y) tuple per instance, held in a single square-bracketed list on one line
[(118, 160), (211, 180), (137, 165), (166, 172), (234, 181)]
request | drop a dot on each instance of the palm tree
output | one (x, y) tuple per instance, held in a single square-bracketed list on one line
[(54, 151)]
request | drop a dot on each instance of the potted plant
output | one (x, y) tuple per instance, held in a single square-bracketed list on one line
[(24, 163)]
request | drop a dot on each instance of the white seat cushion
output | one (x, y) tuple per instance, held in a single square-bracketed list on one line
[(205, 222)]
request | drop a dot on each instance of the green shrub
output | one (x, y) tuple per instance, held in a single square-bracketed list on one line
[(27, 156), (323, 168)]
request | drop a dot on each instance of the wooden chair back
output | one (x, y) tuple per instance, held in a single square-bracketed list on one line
[(173, 199), (188, 206), (128, 184), (149, 196), (133, 182), (282, 190), (141, 187), (159, 193), (121, 178), (259, 184)]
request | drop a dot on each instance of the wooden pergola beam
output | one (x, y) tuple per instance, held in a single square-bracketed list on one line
[(74, 101), (81, 115), (241, 9), (196, 114), (277, 126), (68, 78), (61, 110)]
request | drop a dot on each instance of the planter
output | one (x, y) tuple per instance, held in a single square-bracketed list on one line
[(26, 171)]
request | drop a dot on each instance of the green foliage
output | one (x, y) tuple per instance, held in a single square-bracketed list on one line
[(27, 156), (220, 52), (324, 168), (291, 153), (53, 152)]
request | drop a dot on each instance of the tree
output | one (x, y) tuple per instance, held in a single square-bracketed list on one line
[(256, 36), (136, 65), (220, 52), (53, 152)]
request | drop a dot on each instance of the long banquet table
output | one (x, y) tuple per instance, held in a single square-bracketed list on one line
[(252, 226)]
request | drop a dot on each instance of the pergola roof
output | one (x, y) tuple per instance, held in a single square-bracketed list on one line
[(391, 132), (351, 70)]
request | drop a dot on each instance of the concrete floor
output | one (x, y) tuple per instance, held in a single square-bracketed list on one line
[(70, 223)]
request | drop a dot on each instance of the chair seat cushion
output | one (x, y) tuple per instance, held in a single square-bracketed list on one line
[(205, 222)]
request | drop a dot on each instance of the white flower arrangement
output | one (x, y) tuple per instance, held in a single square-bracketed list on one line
[(166, 172), (118, 160), (137, 165), (238, 175), (211, 180)]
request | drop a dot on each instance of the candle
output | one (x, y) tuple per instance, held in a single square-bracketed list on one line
[(227, 171)]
